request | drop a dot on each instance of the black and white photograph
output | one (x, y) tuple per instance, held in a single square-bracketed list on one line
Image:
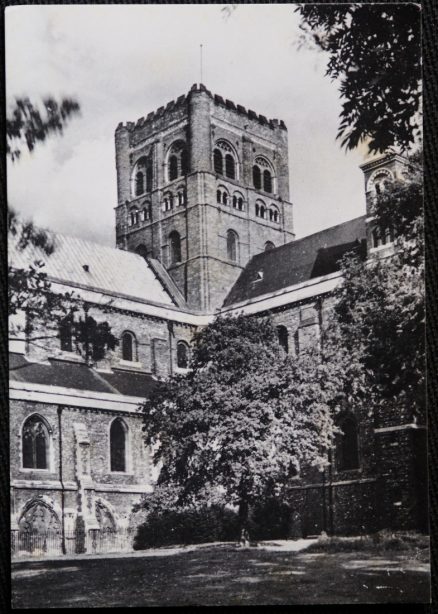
[(216, 305)]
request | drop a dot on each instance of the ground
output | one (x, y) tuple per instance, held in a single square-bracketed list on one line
[(223, 574)]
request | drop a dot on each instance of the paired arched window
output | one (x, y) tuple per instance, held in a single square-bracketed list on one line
[(134, 216), (66, 334), (222, 196), (347, 449), (238, 202), (168, 201), (175, 247), (182, 355), (181, 197), (274, 214), (145, 213), (142, 178), (379, 238), (118, 445), (129, 346), (262, 175), (35, 443), (269, 245), (283, 338), (224, 160), (260, 210), (232, 245), (177, 161)]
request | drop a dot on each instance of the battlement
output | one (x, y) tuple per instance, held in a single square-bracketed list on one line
[(183, 100)]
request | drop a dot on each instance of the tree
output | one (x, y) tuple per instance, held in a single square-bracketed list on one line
[(378, 320), (375, 52), (27, 125), (238, 426)]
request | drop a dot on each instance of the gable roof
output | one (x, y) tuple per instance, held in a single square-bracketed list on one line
[(298, 261), (106, 268)]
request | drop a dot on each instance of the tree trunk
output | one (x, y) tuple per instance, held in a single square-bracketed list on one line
[(243, 522)]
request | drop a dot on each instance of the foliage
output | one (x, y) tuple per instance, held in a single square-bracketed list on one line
[(237, 426), (27, 125), (379, 315), (92, 339), (375, 52)]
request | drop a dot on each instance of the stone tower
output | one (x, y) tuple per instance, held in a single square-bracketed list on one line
[(203, 185)]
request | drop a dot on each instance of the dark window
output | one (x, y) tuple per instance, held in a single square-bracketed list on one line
[(256, 177), (376, 237), (235, 202), (218, 196), (347, 448), (149, 178), (139, 183), (267, 181), (182, 355), (232, 245), (273, 214), (118, 446), (269, 245), (283, 338), (230, 169), (35, 440), (240, 204), (173, 168), (175, 247), (224, 198), (65, 335), (184, 162), (218, 162), (128, 346)]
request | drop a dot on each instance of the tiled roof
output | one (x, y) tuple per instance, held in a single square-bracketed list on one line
[(298, 261), (79, 376), (94, 266)]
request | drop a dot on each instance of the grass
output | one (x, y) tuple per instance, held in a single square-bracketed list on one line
[(380, 542), (224, 575)]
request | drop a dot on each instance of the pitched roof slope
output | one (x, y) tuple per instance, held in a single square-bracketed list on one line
[(298, 261), (98, 267)]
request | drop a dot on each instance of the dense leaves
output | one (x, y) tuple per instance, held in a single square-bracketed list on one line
[(239, 425), (27, 125), (375, 53)]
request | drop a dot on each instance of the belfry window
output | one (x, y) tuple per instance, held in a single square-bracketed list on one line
[(35, 444), (230, 170), (218, 162), (118, 435), (283, 338), (142, 176), (267, 181), (65, 334), (238, 202), (232, 245), (256, 177), (173, 168), (224, 160), (347, 445), (260, 209), (182, 355), (274, 215), (262, 175), (129, 346), (139, 183), (177, 161), (175, 247)]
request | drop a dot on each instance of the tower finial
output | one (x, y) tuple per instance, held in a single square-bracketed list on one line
[(200, 60)]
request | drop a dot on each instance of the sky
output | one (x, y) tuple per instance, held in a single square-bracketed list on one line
[(123, 61)]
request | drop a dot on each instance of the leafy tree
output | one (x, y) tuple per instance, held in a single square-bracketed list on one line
[(27, 125), (238, 426), (378, 320), (375, 52)]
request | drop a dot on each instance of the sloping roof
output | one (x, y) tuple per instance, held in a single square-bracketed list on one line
[(298, 261), (106, 268), (167, 281), (79, 376)]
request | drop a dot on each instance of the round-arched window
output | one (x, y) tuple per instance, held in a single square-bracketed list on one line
[(129, 346), (35, 443), (232, 245), (182, 355), (175, 247), (118, 447)]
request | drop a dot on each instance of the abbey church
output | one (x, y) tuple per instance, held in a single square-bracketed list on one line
[(204, 226)]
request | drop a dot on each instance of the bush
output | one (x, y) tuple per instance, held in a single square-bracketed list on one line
[(382, 541), (187, 526)]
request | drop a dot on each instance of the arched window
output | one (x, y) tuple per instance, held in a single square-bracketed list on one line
[(238, 202), (133, 216), (267, 181), (274, 214), (184, 162), (182, 355), (168, 201), (283, 338), (175, 247), (219, 197), (376, 237), (118, 433), (173, 168), (218, 162), (35, 443), (149, 177), (181, 198), (347, 445), (256, 177), (232, 245), (139, 183), (65, 334), (129, 349), (224, 198), (230, 168), (269, 245)]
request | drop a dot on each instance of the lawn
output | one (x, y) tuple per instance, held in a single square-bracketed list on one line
[(223, 575)]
